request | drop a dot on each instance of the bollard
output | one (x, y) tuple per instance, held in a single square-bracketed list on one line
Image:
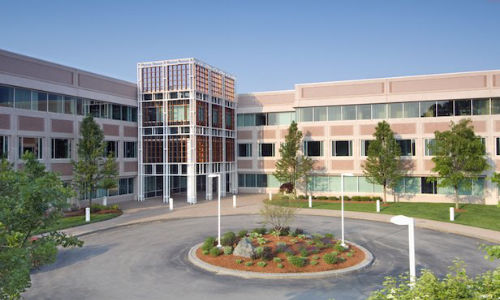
[(310, 201), (378, 205), (105, 201), (87, 214), (234, 201), (270, 196), (171, 203), (452, 214)]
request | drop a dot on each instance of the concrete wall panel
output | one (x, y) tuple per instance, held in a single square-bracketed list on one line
[(64, 126), (438, 84), (4, 121), (31, 123)]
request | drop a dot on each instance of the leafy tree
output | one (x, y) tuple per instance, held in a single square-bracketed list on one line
[(31, 200), (292, 167), (459, 157), (93, 169), (383, 165), (278, 216)]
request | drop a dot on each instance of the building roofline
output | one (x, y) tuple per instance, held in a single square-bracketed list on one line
[(184, 61)]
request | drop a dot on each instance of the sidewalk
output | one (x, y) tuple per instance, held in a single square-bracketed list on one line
[(154, 210)]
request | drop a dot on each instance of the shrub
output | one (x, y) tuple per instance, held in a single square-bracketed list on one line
[(205, 252), (267, 253), (329, 236), (280, 247), (333, 198), (331, 258), (376, 198), (242, 233), (320, 245), (301, 236), (314, 262), (248, 263), (347, 198), (260, 230), (350, 253), (258, 252), (208, 244), (297, 261), (322, 198), (262, 264), (315, 257), (285, 197), (355, 198), (228, 250), (215, 251), (96, 207), (302, 197), (261, 241), (339, 247), (304, 252), (284, 231), (289, 252), (239, 261), (280, 266), (314, 250), (298, 231), (309, 242), (228, 239), (277, 260), (279, 217), (286, 187)]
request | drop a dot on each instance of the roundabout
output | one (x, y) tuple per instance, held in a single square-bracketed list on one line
[(150, 261)]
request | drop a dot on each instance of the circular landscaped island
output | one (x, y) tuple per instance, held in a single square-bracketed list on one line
[(288, 254)]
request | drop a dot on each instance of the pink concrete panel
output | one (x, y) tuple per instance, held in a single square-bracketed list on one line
[(479, 126), (406, 128), (319, 165), (436, 126), (62, 126), (497, 125), (342, 90), (283, 133), (342, 130), (366, 129), (496, 80), (265, 164), (497, 165), (130, 166), (342, 165), (252, 100), (129, 131), (316, 131), (266, 134), (31, 123), (65, 169), (245, 134), (438, 84), (4, 121), (244, 164), (99, 83), (26, 67), (428, 164), (111, 129)]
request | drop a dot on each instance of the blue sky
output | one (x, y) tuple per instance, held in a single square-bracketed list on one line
[(267, 45)]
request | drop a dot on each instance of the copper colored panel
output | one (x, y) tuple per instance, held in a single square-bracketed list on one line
[(342, 165), (479, 126), (266, 134), (129, 131), (319, 165), (496, 80), (245, 164), (435, 126), (244, 134), (65, 169), (342, 90), (438, 84), (266, 164), (406, 128), (108, 86), (4, 121), (111, 129), (313, 131), (342, 130), (130, 166), (428, 165), (64, 126), (31, 123), (366, 129)]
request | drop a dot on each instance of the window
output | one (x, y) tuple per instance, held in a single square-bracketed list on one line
[(29, 144), (61, 148), (334, 113), (56, 103), (116, 112), (411, 110), (313, 148), (365, 144), (428, 187), (498, 146), (69, 105), (266, 149), (428, 109), (281, 118), (495, 106), (480, 106), (126, 113), (429, 143), (364, 112), (349, 112), (129, 149), (379, 111), (22, 98), (6, 96), (445, 108), (407, 147), (39, 101), (305, 114), (126, 186), (463, 107), (4, 147), (112, 147), (320, 113), (244, 150), (396, 110), (341, 148), (260, 119)]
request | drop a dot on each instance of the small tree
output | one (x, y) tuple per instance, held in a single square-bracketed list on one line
[(278, 217), (383, 165), (292, 167), (459, 157), (93, 169)]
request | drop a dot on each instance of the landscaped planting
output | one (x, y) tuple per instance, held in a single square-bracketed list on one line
[(261, 251)]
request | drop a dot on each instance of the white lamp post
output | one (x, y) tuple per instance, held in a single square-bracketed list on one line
[(213, 175), (403, 220), (342, 204)]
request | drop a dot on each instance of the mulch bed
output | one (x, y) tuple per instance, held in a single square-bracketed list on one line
[(81, 212), (229, 261)]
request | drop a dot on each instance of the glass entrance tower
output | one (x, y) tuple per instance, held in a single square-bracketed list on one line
[(186, 129)]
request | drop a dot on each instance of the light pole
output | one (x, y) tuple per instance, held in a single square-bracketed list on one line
[(403, 220), (342, 204), (213, 175)]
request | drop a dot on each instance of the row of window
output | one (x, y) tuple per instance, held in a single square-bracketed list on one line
[(257, 180), (61, 148), (125, 186), (49, 102), (422, 109)]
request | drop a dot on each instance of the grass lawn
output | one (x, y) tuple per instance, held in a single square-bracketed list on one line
[(68, 222), (484, 216)]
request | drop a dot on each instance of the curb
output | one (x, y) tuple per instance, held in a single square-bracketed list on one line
[(259, 275)]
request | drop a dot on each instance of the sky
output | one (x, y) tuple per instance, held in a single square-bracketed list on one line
[(267, 45)]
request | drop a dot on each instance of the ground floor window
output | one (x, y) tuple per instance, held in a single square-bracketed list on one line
[(4, 146), (126, 186), (257, 180), (61, 148), (32, 145)]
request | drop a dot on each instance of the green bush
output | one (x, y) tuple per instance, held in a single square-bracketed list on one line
[(277, 260), (375, 198), (262, 264), (242, 233), (355, 198), (314, 262), (43, 252), (289, 252), (248, 263), (260, 230), (346, 198), (297, 261), (333, 198), (208, 244), (96, 207), (228, 239), (329, 236), (280, 266), (322, 198), (350, 253), (239, 261), (228, 250), (215, 251), (304, 252), (331, 258), (262, 241), (284, 197), (205, 252), (301, 197), (339, 247), (280, 247), (315, 257)]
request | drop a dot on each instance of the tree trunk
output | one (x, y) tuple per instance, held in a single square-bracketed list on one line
[(385, 194), (456, 197)]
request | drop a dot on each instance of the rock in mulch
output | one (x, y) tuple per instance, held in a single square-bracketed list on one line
[(244, 248)]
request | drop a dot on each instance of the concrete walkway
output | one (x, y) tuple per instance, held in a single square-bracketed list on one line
[(154, 210)]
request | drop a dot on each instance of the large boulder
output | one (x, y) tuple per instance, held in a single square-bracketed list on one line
[(244, 248)]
